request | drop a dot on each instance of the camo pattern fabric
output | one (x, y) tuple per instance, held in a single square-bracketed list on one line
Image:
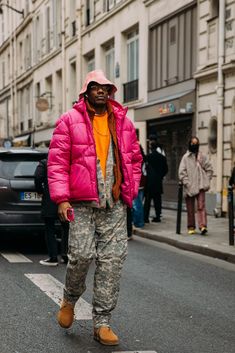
[(99, 234), (105, 185)]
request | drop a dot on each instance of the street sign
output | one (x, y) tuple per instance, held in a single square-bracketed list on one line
[(42, 104)]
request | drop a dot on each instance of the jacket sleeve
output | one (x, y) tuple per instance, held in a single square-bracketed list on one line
[(208, 168), (183, 175), (59, 162), (39, 178), (136, 161)]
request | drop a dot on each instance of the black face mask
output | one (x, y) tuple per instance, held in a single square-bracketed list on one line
[(194, 148)]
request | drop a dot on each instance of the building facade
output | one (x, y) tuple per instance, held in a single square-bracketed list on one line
[(215, 78), (170, 107), (173, 66)]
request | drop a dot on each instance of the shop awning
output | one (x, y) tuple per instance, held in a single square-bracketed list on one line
[(20, 139), (44, 135), (179, 103)]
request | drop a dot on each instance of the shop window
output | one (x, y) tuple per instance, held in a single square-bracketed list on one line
[(212, 139)]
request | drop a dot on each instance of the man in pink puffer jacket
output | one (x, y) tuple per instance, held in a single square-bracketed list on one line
[(94, 166)]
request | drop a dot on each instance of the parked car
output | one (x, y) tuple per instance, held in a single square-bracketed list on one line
[(20, 205)]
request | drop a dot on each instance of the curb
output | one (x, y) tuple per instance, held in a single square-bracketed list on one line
[(222, 255)]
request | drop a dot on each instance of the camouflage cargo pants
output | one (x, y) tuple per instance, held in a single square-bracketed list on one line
[(100, 234)]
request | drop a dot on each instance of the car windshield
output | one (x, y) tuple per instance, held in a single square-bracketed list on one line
[(15, 167)]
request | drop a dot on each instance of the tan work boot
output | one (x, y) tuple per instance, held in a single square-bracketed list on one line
[(106, 336), (65, 315)]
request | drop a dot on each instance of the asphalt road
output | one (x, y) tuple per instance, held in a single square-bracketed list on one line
[(171, 301)]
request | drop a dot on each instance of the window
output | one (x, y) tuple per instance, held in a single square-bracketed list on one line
[(109, 62), (91, 64), (38, 38), (133, 55), (130, 88), (212, 45), (172, 35), (73, 82), (37, 94), (73, 17), (21, 55), (214, 8), (109, 4), (56, 11), (58, 96), (48, 88), (212, 138), (89, 12), (73, 28), (3, 74), (173, 50), (48, 30), (28, 51), (2, 28)]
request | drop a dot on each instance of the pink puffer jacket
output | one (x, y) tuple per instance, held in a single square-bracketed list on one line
[(72, 157)]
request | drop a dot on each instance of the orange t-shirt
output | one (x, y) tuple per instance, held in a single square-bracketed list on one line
[(102, 139)]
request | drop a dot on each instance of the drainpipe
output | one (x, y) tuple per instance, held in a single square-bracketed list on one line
[(63, 57), (220, 109)]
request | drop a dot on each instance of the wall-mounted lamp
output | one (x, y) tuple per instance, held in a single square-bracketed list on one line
[(12, 8)]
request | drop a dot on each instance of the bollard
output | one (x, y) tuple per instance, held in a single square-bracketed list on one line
[(179, 208), (230, 215)]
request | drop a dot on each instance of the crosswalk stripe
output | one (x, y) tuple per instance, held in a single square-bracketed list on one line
[(54, 289), (15, 257)]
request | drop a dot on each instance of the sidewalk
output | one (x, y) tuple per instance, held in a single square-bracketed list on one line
[(215, 244)]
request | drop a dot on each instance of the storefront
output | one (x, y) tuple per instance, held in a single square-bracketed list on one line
[(172, 120)]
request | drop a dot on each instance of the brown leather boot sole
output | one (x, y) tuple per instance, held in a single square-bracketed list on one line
[(65, 315), (106, 336)]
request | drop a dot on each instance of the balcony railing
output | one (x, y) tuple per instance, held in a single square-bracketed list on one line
[(130, 91)]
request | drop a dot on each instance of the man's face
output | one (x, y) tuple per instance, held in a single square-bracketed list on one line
[(98, 94)]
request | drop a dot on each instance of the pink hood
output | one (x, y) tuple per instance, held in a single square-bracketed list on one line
[(99, 77)]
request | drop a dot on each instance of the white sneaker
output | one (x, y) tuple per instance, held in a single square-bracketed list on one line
[(49, 262)]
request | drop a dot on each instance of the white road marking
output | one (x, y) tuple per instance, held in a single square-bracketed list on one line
[(54, 290), (134, 352), (15, 257)]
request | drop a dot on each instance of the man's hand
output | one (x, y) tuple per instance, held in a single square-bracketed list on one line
[(62, 211)]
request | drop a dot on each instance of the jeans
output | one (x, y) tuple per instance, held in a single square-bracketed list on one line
[(201, 210), (138, 210)]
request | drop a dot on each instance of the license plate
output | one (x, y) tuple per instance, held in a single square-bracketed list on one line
[(30, 196)]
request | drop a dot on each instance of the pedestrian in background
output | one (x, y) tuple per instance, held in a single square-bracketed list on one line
[(50, 215), (232, 178), (195, 173), (137, 207), (159, 147), (95, 167), (157, 168)]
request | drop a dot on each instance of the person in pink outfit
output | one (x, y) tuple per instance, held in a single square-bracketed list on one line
[(195, 172), (94, 167)]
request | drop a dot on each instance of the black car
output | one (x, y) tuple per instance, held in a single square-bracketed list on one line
[(20, 205)]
